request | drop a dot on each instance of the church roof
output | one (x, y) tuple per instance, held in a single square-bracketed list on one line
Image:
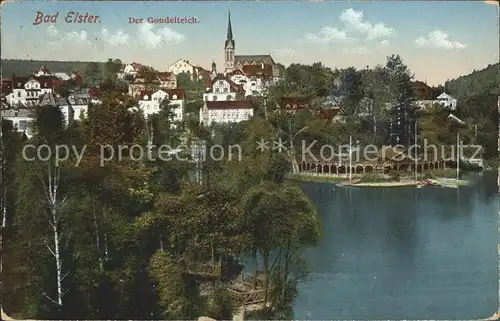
[(258, 70), (229, 28), (229, 32), (266, 59)]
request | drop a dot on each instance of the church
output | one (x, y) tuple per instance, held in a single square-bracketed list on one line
[(260, 66)]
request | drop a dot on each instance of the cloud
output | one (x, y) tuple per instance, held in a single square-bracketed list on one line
[(284, 52), (327, 35), (354, 21), (384, 43), (147, 35), (76, 37), (355, 30), (52, 31), (114, 39), (438, 39), (361, 51)]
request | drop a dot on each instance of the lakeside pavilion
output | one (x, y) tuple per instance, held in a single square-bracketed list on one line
[(386, 160)]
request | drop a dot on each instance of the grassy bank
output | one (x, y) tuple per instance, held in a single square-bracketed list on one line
[(320, 178), (392, 177)]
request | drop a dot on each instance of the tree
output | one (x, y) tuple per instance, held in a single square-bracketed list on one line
[(111, 123), (184, 80), (282, 219), (111, 69), (347, 90), (49, 130), (170, 283), (401, 99), (9, 148), (93, 74)]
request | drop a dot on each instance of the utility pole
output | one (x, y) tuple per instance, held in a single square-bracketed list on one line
[(416, 154), (265, 104)]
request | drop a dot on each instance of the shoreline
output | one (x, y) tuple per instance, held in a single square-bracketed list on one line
[(344, 181), (405, 183)]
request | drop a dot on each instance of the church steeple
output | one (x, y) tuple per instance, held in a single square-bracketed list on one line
[(229, 41), (229, 47), (229, 28)]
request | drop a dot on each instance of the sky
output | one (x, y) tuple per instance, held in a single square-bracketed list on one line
[(437, 40)]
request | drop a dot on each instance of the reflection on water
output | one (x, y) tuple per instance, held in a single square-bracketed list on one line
[(403, 253)]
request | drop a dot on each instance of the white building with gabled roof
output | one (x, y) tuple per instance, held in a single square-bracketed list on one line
[(447, 101)]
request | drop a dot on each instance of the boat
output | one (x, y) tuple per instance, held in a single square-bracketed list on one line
[(349, 183), (451, 182), (427, 183)]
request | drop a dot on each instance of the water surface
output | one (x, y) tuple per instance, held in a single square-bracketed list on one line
[(403, 253)]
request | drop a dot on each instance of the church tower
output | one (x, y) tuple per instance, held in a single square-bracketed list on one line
[(229, 47)]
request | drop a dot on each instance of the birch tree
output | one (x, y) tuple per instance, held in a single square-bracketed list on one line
[(56, 203)]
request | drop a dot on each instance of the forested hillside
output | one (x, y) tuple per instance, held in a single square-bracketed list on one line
[(485, 81), (25, 67)]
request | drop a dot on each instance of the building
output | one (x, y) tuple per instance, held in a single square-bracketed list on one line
[(291, 105), (253, 78), (6, 90), (79, 102), (42, 71), (46, 99), (62, 75), (221, 88), (182, 66), (444, 100), (151, 80), (447, 101), (214, 72), (21, 120), (202, 73), (223, 112), (27, 90), (265, 63), (149, 102), (129, 70), (426, 97), (166, 80)]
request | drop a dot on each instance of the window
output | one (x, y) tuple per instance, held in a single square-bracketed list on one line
[(23, 125), (214, 97), (228, 97), (18, 94), (226, 90)]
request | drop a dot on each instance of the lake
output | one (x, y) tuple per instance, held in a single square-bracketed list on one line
[(403, 253)]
